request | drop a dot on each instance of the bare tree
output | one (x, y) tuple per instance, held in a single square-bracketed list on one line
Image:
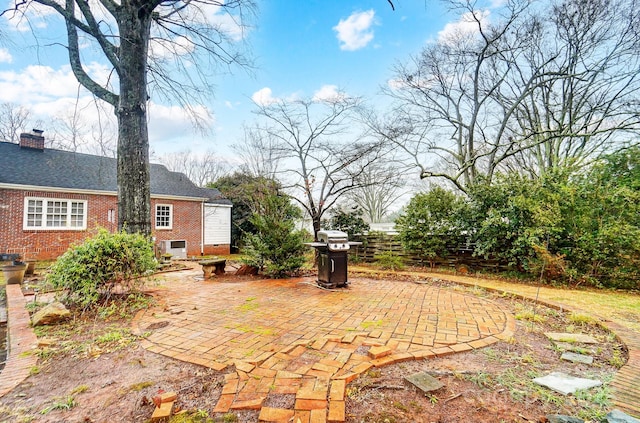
[(13, 120), (201, 169), (525, 87), (592, 106), (86, 127), (380, 188), (445, 108), (151, 46), (325, 161), (258, 153)]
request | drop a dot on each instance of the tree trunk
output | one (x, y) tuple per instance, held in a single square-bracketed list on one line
[(316, 226), (134, 198)]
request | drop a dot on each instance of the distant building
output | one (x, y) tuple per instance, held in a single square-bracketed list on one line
[(386, 227)]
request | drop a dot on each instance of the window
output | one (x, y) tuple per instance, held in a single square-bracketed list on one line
[(42, 213), (164, 216)]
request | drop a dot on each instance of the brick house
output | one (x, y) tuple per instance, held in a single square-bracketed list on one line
[(51, 198)]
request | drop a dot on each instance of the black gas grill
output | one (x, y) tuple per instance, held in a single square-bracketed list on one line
[(332, 249)]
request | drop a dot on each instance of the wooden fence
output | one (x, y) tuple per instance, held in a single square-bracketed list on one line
[(375, 244)]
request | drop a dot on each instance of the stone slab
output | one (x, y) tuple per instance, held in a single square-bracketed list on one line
[(564, 383), (424, 382), (617, 416), (577, 358), (567, 346), (559, 418), (571, 337)]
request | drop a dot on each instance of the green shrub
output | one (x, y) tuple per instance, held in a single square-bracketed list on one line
[(94, 270), (346, 220), (277, 248), (431, 223), (388, 260)]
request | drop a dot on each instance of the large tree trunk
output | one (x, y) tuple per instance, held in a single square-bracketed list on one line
[(134, 198)]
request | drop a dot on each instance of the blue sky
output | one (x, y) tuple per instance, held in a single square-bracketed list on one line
[(299, 48)]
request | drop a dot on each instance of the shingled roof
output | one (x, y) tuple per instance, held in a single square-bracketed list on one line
[(51, 168)]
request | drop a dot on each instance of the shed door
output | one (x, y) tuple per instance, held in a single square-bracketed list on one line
[(217, 225)]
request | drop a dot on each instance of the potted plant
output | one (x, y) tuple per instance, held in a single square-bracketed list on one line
[(14, 273)]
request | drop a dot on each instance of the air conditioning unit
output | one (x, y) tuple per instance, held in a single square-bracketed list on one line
[(177, 248)]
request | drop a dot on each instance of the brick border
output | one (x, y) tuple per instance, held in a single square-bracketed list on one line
[(22, 341)]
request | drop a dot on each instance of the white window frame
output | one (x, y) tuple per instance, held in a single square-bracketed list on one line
[(164, 227), (43, 213)]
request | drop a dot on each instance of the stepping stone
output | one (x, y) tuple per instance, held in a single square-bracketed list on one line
[(566, 346), (577, 358), (559, 418), (617, 416), (424, 382), (564, 383), (571, 337)]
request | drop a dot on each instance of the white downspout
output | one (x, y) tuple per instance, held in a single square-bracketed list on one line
[(202, 223)]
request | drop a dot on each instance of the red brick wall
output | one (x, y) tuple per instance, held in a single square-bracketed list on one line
[(220, 249), (187, 224), (49, 244)]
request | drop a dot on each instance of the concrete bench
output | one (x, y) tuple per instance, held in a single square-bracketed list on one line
[(213, 266)]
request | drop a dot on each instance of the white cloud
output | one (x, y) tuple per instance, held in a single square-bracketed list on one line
[(231, 25), (53, 95), (165, 48), (396, 83), (28, 18), (171, 123), (5, 56), (215, 14), (263, 97), (328, 93), (355, 32), (465, 27), (37, 84)]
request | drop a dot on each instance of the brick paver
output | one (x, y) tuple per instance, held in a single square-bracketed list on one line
[(22, 341), (290, 337)]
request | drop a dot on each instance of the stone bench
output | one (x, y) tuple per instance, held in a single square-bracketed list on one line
[(213, 266)]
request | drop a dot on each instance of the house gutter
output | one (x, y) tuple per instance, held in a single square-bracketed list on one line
[(202, 229), (89, 191)]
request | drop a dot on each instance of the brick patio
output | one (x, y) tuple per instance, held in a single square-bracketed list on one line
[(290, 337)]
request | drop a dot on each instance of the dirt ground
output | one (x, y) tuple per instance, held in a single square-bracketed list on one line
[(95, 371)]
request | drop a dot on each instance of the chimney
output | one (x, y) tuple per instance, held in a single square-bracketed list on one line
[(33, 139)]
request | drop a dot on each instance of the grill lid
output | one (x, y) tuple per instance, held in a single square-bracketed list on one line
[(332, 236), (334, 240)]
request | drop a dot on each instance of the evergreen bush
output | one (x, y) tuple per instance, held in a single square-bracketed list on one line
[(103, 265), (276, 248)]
